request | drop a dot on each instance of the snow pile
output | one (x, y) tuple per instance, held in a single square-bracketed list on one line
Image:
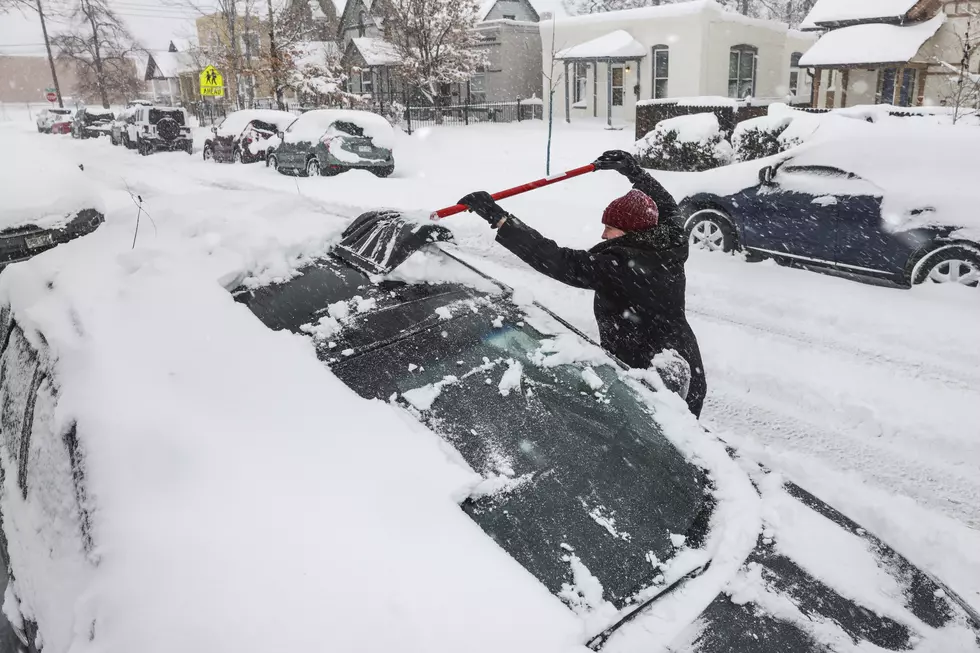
[(237, 121), (693, 142), (841, 11), (871, 44), (223, 463), (312, 125), (46, 192), (615, 44)]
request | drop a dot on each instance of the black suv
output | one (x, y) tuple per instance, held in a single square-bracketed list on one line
[(91, 123)]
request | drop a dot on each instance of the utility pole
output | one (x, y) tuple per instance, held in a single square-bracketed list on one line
[(274, 59), (47, 45)]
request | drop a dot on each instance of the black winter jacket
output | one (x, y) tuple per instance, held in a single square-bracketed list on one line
[(639, 286)]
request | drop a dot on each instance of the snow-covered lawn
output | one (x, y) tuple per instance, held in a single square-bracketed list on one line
[(865, 395)]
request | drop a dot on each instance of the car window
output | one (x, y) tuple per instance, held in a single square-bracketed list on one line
[(589, 471), (344, 127), (823, 171), (156, 115)]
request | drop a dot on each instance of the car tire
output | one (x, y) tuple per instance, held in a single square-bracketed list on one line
[(143, 147), (710, 229), (236, 155), (272, 161), (208, 153), (40, 130), (312, 168), (958, 264), (383, 172)]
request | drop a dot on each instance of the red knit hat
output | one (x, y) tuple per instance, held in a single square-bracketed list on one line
[(634, 211)]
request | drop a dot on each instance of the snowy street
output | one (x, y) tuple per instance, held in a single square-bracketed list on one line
[(865, 395)]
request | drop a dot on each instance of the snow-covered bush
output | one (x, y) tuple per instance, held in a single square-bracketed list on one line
[(691, 143), (758, 138)]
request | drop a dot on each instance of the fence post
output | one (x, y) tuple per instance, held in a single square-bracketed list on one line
[(408, 112), (466, 106), (518, 109)]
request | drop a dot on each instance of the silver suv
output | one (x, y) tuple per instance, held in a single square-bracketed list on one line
[(160, 128)]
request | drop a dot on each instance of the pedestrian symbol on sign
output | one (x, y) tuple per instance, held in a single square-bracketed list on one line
[(212, 83)]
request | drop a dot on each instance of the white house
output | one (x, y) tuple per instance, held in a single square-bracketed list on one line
[(602, 64), (900, 52)]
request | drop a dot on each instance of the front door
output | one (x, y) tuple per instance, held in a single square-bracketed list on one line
[(618, 91)]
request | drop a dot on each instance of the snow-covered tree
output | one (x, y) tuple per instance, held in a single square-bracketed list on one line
[(101, 48), (317, 76), (435, 41)]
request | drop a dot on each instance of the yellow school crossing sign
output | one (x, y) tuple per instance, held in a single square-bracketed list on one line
[(212, 83)]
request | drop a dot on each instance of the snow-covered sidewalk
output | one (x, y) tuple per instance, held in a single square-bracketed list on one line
[(865, 395)]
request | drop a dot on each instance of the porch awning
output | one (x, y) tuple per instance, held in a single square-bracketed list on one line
[(871, 44), (827, 13), (615, 46), (377, 52)]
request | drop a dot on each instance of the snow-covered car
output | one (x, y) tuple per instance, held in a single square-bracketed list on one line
[(119, 129), (330, 141), (91, 122), (907, 218), (245, 136), (46, 118), (45, 205), (160, 128)]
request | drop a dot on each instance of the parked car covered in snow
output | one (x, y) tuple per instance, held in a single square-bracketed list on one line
[(91, 122), (119, 129), (36, 218), (46, 118), (326, 142), (906, 218), (245, 136), (160, 128)]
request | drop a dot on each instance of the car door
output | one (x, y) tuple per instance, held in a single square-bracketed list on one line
[(865, 245), (791, 216), (289, 151)]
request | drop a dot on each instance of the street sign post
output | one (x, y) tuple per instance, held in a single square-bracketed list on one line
[(212, 83)]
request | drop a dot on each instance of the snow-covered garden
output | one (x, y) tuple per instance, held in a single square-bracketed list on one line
[(241, 484)]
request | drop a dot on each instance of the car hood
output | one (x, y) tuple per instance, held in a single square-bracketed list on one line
[(815, 581)]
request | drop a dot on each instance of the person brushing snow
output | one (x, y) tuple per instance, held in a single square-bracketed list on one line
[(637, 273)]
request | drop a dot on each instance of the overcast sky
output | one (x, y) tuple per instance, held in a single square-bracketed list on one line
[(152, 22)]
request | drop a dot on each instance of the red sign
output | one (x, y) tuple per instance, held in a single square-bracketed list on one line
[(51, 97)]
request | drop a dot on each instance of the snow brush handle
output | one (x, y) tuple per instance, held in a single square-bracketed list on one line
[(517, 190)]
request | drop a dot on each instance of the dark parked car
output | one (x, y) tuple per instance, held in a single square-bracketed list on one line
[(330, 141), (245, 136), (22, 242), (91, 123), (810, 208), (583, 443)]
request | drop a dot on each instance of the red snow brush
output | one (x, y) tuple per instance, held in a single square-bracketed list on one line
[(516, 190)]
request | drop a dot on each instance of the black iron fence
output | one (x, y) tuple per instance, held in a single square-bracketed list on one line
[(467, 114)]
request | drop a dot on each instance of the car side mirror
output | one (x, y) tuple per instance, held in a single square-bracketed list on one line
[(766, 176), (214, 130), (280, 135)]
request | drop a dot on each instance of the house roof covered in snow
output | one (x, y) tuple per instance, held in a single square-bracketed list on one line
[(376, 52), (614, 45), (829, 13), (668, 11), (313, 52), (169, 65), (874, 43)]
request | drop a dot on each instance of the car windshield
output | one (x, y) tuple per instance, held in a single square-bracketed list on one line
[(581, 467), (156, 115)]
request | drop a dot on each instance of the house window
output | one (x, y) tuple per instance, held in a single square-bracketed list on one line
[(741, 71), (361, 23), (478, 87), (367, 81), (510, 17), (661, 66), (581, 81), (897, 86), (794, 73)]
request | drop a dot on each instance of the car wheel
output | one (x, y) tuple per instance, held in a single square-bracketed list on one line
[(313, 168), (40, 130), (383, 172), (953, 265), (143, 147), (236, 156), (710, 229), (208, 153), (272, 161)]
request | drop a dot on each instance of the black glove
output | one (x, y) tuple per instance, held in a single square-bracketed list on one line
[(484, 206), (620, 161)]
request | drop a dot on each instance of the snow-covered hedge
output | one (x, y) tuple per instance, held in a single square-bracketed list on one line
[(758, 138), (691, 143)]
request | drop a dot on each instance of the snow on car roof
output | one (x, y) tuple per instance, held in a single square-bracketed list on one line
[(46, 192), (871, 44), (839, 11), (312, 125), (235, 122), (234, 475)]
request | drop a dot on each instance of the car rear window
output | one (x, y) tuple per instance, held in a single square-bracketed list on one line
[(156, 115), (349, 128)]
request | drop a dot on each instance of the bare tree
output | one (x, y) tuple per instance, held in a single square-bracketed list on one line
[(36, 6), (435, 41), (554, 80), (963, 91), (102, 49)]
